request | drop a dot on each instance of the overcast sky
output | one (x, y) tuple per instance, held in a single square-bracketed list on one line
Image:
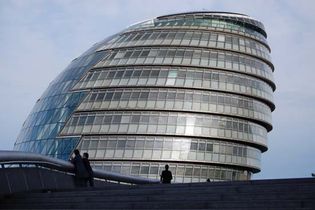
[(39, 38)]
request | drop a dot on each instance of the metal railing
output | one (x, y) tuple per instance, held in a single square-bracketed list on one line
[(10, 158)]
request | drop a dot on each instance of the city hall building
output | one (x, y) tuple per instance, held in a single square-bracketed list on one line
[(192, 90)]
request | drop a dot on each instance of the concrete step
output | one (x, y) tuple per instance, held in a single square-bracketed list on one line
[(211, 198), (289, 204), (148, 193), (100, 201), (198, 187), (257, 183), (166, 192), (262, 195)]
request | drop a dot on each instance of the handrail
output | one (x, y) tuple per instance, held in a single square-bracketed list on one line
[(17, 157)]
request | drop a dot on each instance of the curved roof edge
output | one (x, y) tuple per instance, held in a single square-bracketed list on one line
[(207, 12), (239, 17)]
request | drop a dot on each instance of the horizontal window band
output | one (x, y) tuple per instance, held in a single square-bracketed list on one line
[(224, 166), (170, 29)]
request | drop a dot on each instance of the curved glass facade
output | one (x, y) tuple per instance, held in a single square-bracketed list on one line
[(192, 90)]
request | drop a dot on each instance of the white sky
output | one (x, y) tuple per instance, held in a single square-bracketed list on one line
[(38, 39)]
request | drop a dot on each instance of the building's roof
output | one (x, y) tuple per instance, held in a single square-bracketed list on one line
[(235, 17)]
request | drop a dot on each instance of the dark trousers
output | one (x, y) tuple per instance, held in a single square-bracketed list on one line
[(90, 180)]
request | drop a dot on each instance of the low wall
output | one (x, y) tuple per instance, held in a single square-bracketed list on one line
[(13, 180)]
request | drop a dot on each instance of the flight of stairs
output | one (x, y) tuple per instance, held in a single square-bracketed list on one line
[(281, 194)]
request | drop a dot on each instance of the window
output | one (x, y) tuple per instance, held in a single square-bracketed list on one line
[(117, 95), (82, 120), (193, 145), (100, 96), (162, 53), (90, 120), (209, 147), (116, 119), (98, 120), (145, 53), (109, 96), (107, 119), (135, 118)]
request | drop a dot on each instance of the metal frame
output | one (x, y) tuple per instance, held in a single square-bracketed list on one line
[(16, 157)]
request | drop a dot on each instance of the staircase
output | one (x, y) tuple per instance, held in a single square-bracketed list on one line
[(281, 194)]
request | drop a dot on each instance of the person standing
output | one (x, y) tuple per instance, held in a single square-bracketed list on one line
[(166, 175), (80, 170), (88, 168)]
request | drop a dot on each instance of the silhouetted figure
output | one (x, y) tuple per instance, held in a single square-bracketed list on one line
[(79, 169), (88, 168), (166, 176), (208, 180), (233, 175), (313, 174)]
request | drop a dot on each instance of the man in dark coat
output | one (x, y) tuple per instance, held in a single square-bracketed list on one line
[(80, 171), (166, 176), (88, 168)]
